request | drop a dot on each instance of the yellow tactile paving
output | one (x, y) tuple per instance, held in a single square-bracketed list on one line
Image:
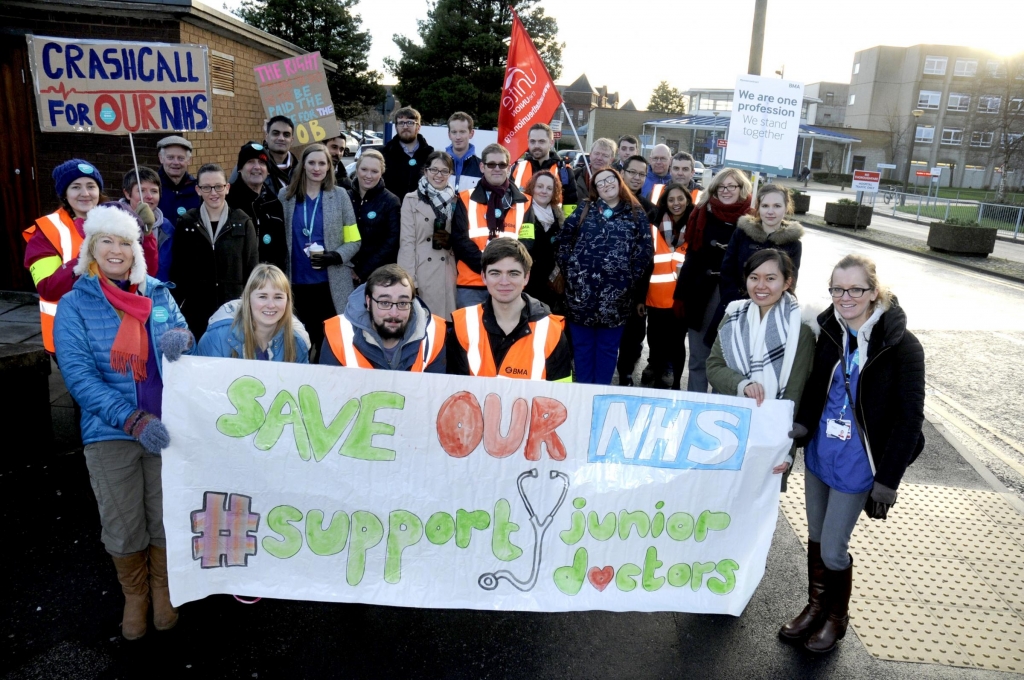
[(941, 581)]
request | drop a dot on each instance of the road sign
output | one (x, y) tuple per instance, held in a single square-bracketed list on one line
[(886, 166), (710, 159), (923, 173), (722, 143), (866, 181), (936, 172), (556, 128)]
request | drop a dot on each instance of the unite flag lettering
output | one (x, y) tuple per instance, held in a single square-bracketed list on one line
[(528, 94)]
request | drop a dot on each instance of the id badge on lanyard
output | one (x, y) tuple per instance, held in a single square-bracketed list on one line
[(840, 428)]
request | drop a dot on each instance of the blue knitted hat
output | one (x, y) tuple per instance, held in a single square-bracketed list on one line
[(68, 171)]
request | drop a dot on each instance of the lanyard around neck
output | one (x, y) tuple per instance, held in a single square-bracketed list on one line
[(308, 230)]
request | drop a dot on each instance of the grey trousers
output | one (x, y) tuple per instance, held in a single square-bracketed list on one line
[(699, 352), (831, 516), (126, 481)]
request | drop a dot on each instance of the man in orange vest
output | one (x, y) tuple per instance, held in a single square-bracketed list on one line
[(509, 335), (541, 156), (493, 209), (385, 326)]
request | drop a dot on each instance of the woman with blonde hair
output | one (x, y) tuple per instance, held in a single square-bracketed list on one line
[(322, 238), (379, 216), (860, 425), (260, 325), (707, 234)]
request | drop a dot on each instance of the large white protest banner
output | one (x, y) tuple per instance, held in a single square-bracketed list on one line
[(350, 485), (764, 125)]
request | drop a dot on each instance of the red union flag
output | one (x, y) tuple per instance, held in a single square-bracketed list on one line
[(528, 96)]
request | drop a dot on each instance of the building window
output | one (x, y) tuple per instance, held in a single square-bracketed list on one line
[(816, 160), (958, 102), (965, 67), (1009, 140), (989, 104), (925, 134), (935, 66), (827, 116), (1015, 105), (222, 73), (829, 98), (928, 99), (982, 140), (853, 99), (859, 162), (952, 136), (856, 68), (996, 69), (579, 117)]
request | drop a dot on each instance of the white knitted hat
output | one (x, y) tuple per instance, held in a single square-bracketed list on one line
[(115, 220)]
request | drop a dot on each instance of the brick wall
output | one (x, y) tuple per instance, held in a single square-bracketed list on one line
[(236, 120)]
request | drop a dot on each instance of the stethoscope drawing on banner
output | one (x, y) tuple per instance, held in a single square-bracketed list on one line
[(490, 580)]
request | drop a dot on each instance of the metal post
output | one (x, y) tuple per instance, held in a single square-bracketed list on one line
[(1016, 227), (757, 37), (583, 151)]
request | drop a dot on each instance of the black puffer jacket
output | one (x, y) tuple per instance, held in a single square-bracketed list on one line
[(890, 394), (379, 216), (267, 216), (207, 275), (402, 173)]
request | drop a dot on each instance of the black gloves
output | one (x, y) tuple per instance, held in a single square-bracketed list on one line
[(881, 499)]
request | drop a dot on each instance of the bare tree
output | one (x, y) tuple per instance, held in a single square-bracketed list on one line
[(898, 129), (995, 125), (833, 159)]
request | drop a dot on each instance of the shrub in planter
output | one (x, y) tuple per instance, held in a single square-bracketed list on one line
[(801, 203), (961, 237), (847, 213)]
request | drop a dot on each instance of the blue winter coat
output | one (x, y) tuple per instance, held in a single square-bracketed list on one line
[(603, 259), (84, 332), (221, 339)]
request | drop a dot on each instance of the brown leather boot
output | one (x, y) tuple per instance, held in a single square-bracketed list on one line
[(164, 615), (133, 575), (838, 586), (811, 618)]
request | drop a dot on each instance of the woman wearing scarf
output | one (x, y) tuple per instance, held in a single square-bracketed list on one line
[(112, 330), (860, 426), (424, 250), (708, 231), (763, 350), (545, 214)]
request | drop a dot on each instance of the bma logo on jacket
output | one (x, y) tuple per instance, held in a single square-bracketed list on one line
[(511, 370)]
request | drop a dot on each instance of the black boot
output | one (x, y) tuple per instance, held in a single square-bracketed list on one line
[(811, 618), (838, 586)]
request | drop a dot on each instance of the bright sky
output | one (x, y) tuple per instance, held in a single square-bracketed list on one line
[(707, 44)]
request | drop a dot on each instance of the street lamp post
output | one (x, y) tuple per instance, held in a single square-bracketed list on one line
[(917, 113), (714, 139)]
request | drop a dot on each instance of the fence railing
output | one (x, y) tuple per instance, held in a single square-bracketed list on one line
[(1008, 219)]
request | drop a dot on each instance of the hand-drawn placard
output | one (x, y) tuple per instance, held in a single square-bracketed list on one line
[(352, 485), (297, 87), (113, 87)]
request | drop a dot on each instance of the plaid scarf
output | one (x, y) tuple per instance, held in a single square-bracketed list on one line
[(762, 350), (441, 200)]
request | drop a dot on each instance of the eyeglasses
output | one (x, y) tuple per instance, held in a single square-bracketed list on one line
[(403, 305), (218, 188), (439, 172), (606, 182), (406, 123), (854, 292), (635, 173), (492, 165), (729, 187)]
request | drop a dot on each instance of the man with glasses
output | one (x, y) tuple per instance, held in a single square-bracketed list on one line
[(387, 327), (635, 173), (510, 334), (628, 145), (177, 187), (659, 172), (405, 155), (541, 156), (495, 208)]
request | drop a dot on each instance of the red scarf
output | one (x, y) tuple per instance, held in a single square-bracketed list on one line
[(728, 213), (131, 344)]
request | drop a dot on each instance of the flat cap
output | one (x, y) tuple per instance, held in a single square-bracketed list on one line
[(174, 140)]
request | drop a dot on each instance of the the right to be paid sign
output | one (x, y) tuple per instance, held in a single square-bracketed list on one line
[(764, 125)]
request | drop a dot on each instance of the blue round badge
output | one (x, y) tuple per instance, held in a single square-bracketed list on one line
[(371, 215), (107, 114), (160, 314), (181, 210), (86, 168), (412, 161), (258, 147), (266, 239), (497, 212), (607, 213)]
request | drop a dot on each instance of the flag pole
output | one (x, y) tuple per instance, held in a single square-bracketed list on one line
[(135, 162), (577, 136)]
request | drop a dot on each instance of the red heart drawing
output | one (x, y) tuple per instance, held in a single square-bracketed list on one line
[(600, 578)]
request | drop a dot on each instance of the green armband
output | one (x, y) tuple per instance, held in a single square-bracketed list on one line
[(566, 379), (350, 233), (527, 231), (568, 209), (44, 267)]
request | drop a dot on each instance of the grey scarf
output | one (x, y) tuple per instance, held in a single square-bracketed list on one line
[(441, 200)]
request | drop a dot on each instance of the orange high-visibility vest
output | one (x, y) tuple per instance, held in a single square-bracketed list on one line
[(340, 334), (526, 358), (666, 270), (522, 173), (656, 193), (60, 230), (479, 233)]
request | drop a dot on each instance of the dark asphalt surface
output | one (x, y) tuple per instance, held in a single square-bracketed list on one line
[(62, 609)]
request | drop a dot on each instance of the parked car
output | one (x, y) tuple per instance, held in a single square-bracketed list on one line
[(568, 155), (351, 143), (698, 172)]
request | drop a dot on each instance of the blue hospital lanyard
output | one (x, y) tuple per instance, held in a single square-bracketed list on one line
[(850, 360), (308, 231)]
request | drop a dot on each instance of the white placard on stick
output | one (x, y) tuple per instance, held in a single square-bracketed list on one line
[(764, 125)]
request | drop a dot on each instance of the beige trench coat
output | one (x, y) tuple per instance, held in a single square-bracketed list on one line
[(434, 270)]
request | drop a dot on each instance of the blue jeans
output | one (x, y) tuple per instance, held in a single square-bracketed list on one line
[(594, 352), (831, 517)]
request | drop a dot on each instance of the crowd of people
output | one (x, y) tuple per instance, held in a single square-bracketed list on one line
[(468, 264)]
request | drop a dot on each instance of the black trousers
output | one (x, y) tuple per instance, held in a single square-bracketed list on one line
[(666, 337), (313, 306)]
